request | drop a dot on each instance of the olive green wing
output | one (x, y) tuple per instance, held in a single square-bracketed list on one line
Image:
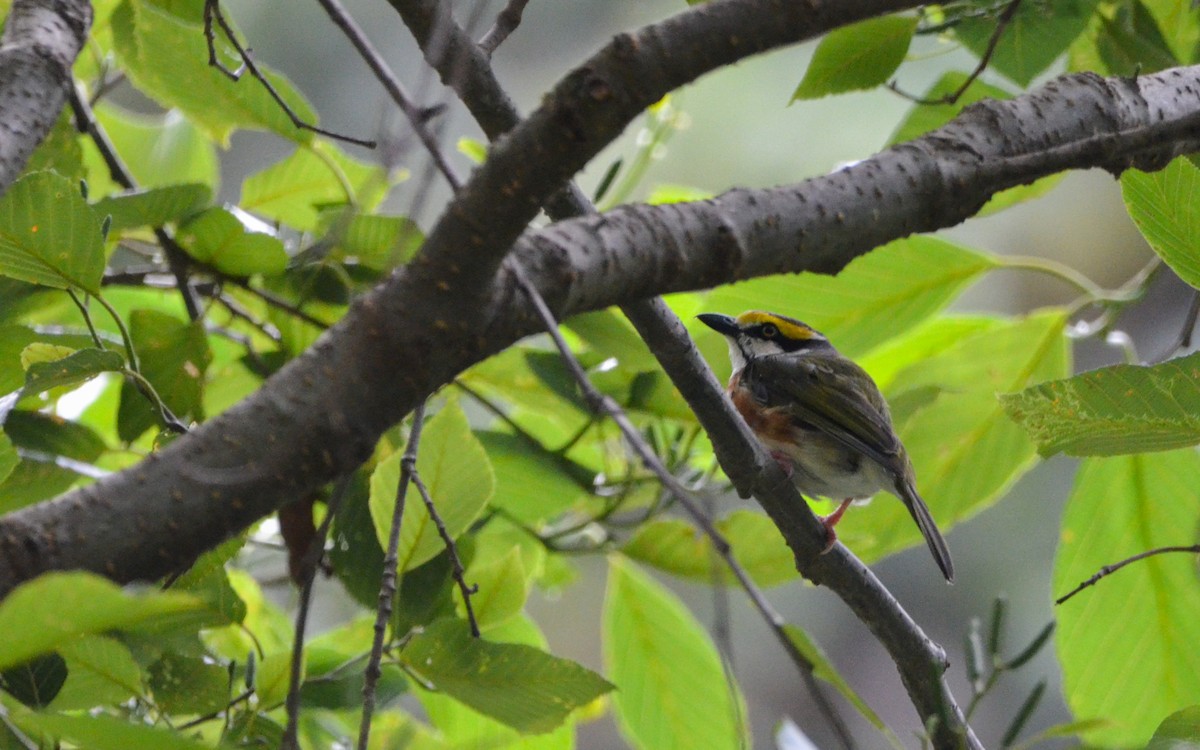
[(835, 396)]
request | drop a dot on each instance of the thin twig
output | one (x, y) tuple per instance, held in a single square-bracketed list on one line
[(506, 23), (456, 566), (237, 311), (1002, 22), (387, 583), (1110, 569), (212, 12), (278, 302), (87, 318), (243, 696), (308, 566), (417, 116)]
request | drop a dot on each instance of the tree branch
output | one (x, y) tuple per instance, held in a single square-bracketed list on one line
[(41, 40)]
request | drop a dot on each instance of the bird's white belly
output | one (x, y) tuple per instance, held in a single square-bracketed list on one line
[(822, 468)]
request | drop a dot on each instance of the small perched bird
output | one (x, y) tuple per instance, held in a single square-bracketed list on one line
[(821, 416)]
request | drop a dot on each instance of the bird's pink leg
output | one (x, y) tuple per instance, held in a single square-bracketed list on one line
[(830, 521)]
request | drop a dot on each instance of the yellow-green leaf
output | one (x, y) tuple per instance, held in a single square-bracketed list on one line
[(1163, 204), (49, 235), (665, 668), (55, 608), (859, 56), (1113, 410), (1144, 615)]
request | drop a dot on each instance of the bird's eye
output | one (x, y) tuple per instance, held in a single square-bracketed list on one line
[(770, 330)]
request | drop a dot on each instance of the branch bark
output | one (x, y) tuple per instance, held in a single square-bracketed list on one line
[(41, 40)]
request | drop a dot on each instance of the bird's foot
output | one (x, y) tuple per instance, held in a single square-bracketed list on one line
[(830, 521)]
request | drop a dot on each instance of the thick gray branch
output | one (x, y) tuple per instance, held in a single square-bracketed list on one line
[(41, 40)]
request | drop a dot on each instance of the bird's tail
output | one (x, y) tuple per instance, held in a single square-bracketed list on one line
[(920, 513)]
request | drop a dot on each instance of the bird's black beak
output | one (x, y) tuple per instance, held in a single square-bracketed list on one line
[(722, 324)]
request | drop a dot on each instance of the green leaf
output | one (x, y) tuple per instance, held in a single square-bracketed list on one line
[(159, 151), (1037, 35), (174, 356), (271, 627), (678, 547), (878, 296), (1177, 22), (930, 338), (104, 732), (56, 452), (502, 589), (824, 670), (56, 608), (1179, 731), (455, 468), (1146, 612), (189, 685), (473, 149), (460, 726), (964, 448), (356, 555), (669, 193), (521, 686), (13, 340), (36, 682), (153, 207), (69, 371), (167, 58), (531, 484), (665, 667), (8, 456), (1114, 410), (59, 151), (101, 671), (1130, 43), (274, 678), (49, 235), (38, 352), (1163, 205), (856, 57), (316, 175), (609, 334), (208, 580), (216, 238), (379, 242)]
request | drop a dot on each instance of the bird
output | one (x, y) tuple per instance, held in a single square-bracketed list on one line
[(822, 418)]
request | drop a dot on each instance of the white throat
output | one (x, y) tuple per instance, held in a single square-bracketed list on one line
[(744, 346)]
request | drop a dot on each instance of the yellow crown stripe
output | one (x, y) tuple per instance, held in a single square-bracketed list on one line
[(789, 327)]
